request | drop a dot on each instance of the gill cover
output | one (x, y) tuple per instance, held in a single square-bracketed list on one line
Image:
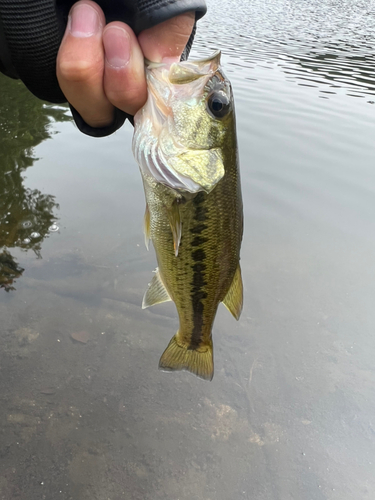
[(177, 141)]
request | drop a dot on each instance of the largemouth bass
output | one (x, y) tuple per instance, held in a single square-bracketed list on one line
[(186, 147)]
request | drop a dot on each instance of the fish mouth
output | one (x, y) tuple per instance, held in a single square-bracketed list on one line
[(163, 75), (188, 71), (213, 61)]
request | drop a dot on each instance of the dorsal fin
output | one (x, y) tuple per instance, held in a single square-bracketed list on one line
[(234, 298)]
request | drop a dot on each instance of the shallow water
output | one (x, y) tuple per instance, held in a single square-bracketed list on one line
[(290, 411)]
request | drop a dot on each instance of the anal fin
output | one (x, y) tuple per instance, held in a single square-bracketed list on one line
[(156, 292), (233, 300)]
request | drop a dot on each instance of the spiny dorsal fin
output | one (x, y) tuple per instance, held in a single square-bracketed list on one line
[(173, 213), (178, 357), (234, 298), (156, 292), (146, 226)]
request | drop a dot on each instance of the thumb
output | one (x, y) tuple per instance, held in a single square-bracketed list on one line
[(167, 40)]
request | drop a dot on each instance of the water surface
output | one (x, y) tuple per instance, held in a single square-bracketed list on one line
[(290, 411)]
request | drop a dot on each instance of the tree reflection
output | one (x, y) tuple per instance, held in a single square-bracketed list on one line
[(9, 271), (26, 215)]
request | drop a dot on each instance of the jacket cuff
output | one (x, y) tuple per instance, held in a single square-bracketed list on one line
[(150, 15), (118, 122)]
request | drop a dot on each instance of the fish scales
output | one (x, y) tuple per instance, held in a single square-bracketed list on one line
[(196, 228)]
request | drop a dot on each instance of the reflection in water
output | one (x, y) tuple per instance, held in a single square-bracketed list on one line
[(26, 215), (9, 271)]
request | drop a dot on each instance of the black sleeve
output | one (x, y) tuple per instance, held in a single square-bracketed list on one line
[(31, 32), (118, 121)]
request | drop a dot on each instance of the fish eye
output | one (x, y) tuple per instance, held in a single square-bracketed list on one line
[(218, 104)]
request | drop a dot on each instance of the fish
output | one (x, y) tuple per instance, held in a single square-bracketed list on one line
[(185, 144)]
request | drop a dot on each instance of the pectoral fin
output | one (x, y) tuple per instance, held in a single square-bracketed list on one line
[(234, 298), (156, 292), (174, 218), (146, 226)]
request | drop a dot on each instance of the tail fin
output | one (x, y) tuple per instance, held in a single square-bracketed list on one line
[(197, 361)]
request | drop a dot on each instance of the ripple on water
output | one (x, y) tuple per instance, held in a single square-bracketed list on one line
[(327, 44)]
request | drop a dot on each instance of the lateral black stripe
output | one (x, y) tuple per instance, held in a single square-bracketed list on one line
[(198, 229), (198, 240), (198, 256)]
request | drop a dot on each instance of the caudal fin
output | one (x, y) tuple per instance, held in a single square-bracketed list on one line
[(197, 361)]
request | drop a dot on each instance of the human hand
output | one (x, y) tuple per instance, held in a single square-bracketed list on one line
[(100, 67)]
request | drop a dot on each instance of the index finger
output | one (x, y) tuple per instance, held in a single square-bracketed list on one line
[(168, 39)]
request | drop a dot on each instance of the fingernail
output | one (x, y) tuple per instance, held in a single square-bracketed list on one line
[(116, 46), (170, 60), (84, 21)]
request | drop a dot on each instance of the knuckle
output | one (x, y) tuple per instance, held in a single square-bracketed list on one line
[(179, 28), (78, 71), (129, 101), (127, 92), (181, 25)]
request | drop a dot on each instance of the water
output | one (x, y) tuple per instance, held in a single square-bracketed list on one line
[(290, 412)]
